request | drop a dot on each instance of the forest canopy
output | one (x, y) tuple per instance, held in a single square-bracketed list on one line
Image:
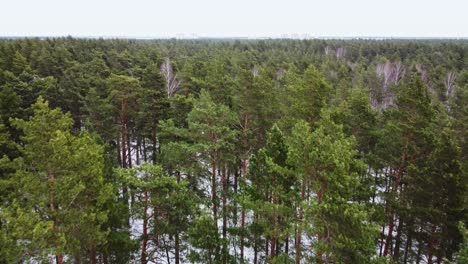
[(233, 151)]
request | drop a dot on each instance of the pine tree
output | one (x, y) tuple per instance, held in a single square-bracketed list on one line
[(123, 92), (211, 133), (405, 140), (164, 204), (271, 196), (59, 190), (206, 239), (19, 64), (325, 161), (306, 95)]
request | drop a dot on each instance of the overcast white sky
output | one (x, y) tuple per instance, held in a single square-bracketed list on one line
[(236, 18)]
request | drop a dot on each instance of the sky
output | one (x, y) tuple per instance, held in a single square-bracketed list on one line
[(236, 18)]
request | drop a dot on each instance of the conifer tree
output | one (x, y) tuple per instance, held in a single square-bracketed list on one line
[(56, 208), (325, 161), (271, 196)]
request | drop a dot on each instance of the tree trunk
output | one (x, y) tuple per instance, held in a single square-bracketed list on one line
[(225, 190), (255, 243), (299, 229), (418, 255), (92, 255), (382, 240), (244, 181), (167, 251), (105, 259), (213, 189), (236, 185), (320, 235), (145, 159), (277, 247), (119, 152), (145, 230), (129, 150), (177, 249), (154, 141), (430, 247), (272, 247), (123, 126), (389, 244), (396, 250), (407, 246), (274, 200), (138, 148)]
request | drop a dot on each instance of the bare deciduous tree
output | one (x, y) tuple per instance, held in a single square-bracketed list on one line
[(391, 73), (423, 73), (340, 52), (255, 71), (172, 83), (449, 83)]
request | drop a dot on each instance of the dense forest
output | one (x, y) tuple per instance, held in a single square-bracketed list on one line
[(233, 151)]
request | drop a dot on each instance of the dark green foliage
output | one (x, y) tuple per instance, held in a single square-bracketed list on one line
[(268, 151)]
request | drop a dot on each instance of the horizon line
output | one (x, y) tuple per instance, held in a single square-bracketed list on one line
[(202, 37)]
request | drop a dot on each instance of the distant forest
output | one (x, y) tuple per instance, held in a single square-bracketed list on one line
[(233, 151)]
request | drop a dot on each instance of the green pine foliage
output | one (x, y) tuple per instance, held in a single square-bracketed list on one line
[(233, 151)]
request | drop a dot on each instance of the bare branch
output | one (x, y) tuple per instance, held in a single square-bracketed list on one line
[(392, 73), (449, 83), (172, 83)]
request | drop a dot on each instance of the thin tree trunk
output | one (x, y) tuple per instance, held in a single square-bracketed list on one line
[(277, 247), (129, 150), (320, 235), (234, 206), (299, 229), (119, 152), (138, 148), (255, 242), (154, 141), (123, 125), (167, 251), (396, 250), (382, 240), (430, 247), (274, 200), (244, 181), (420, 246), (177, 249), (145, 159), (92, 255), (272, 248), (389, 242), (408, 245), (225, 190), (144, 242), (105, 259), (213, 189), (418, 255)]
